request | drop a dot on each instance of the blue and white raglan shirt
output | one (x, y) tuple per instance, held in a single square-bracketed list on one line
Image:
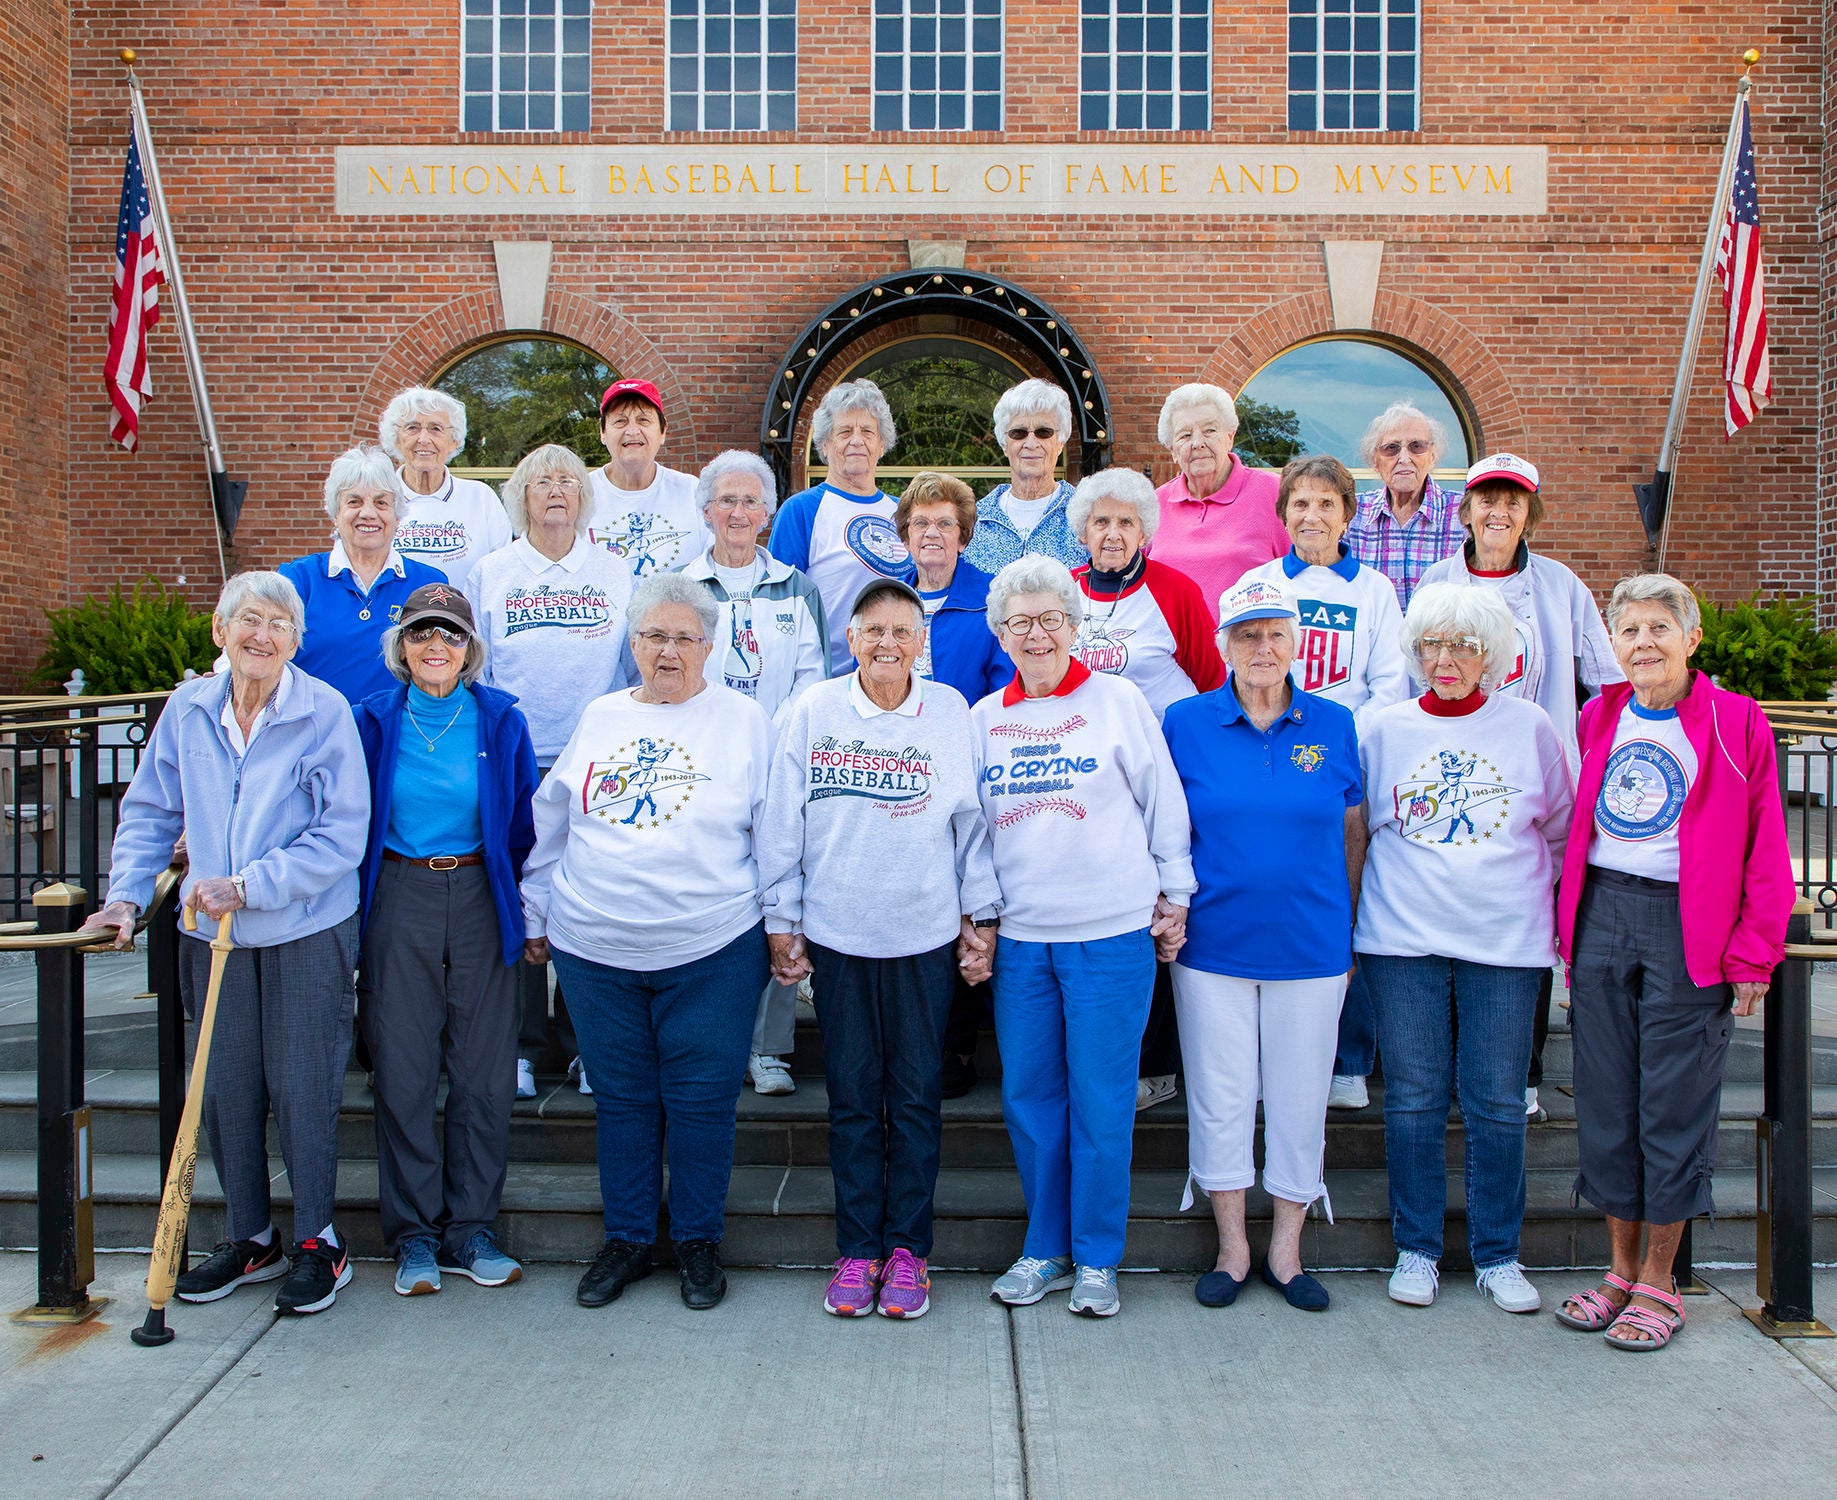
[(1650, 772), (343, 644), (841, 542), (657, 529), (453, 528)]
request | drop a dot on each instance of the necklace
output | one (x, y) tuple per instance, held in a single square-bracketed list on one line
[(423, 733)]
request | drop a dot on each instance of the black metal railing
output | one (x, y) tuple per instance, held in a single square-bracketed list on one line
[(1805, 744)]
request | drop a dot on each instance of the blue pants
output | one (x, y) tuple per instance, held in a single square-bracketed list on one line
[(1357, 1052), (1069, 1019), (666, 1046), (1425, 1065)]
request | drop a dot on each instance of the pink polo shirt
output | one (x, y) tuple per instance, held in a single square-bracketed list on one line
[(1217, 540)]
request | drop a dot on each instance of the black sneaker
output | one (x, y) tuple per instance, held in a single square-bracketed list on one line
[(319, 1270), (232, 1264), (704, 1283), (617, 1266)]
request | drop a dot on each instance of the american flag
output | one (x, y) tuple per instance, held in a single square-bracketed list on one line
[(1745, 366), (135, 306)]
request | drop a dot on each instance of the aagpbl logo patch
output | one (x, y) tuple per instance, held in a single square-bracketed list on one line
[(640, 538), (640, 781), (1309, 757), (1446, 795), (876, 545), (1642, 792)]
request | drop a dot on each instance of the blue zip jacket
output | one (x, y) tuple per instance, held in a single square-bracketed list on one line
[(964, 651), (506, 783), (289, 817)]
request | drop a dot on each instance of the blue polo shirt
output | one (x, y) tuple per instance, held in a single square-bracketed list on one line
[(343, 644), (1269, 835)]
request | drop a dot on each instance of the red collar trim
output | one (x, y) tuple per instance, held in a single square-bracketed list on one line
[(1492, 572), (1076, 675), (1451, 708)]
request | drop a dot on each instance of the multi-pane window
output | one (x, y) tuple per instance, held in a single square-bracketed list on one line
[(937, 64), (1352, 64), (526, 64), (733, 64), (1145, 65)]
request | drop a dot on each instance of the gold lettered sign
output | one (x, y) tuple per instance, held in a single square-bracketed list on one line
[(1075, 179)]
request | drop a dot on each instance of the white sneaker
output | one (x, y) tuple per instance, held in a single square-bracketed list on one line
[(1415, 1279), (1030, 1278), (1152, 1091), (1348, 1091), (526, 1079), (770, 1075), (577, 1072), (1095, 1294), (1534, 1113), (1506, 1285)]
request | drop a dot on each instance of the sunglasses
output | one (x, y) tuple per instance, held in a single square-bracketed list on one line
[(1020, 434), (422, 634)]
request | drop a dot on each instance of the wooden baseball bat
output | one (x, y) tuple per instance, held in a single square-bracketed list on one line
[(175, 1208)]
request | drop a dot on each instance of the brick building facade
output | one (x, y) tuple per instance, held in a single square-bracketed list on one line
[(1557, 330)]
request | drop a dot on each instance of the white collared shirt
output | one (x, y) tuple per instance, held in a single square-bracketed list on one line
[(339, 561), (868, 708), (238, 742)]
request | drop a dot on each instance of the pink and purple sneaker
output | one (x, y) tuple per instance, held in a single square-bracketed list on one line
[(851, 1289), (905, 1286)]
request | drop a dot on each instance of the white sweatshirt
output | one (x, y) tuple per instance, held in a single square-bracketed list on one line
[(452, 529), (1468, 818), (654, 529), (644, 831), (874, 842), (1086, 813)]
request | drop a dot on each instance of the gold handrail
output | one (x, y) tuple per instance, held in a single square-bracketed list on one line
[(13, 941)]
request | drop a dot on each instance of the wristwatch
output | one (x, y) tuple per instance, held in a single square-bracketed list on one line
[(242, 892), (986, 922)]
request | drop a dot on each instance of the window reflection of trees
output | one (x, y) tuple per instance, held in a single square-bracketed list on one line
[(522, 393)]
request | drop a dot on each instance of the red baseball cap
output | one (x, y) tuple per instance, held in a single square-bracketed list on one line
[(642, 389)]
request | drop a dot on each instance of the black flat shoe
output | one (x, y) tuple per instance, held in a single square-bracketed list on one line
[(1302, 1290), (617, 1266), (959, 1075), (704, 1283), (1219, 1288)]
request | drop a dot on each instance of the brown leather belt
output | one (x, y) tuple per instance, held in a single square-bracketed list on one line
[(438, 862)]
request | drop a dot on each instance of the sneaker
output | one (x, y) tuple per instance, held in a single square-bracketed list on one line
[(806, 992), (1348, 1091), (852, 1289), (1534, 1113), (1029, 1279), (1506, 1285), (698, 1265), (1095, 1295), (526, 1079), (905, 1286), (319, 1270), (617, 1266), (1152, 1091), (577, 1073), (481, 1260), (232, 1264), (770, 1075), (1415, 1279), (417, 1273)]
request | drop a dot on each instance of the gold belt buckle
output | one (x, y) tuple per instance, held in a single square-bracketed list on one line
[(444, 862)]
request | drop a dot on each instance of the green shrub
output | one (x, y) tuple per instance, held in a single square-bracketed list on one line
[(1773, 651), (126, 643)]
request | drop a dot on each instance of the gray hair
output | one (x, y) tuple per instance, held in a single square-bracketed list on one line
[(1034, 398), (1655, 588), (673, 588), (364, 464), (853, 395), (1393, 417), (396, 658), (540, 463), (1184, 398), (736, 461), (1127, 485), (274, 589), (416, 401), (1464, 609), (1033, 574)]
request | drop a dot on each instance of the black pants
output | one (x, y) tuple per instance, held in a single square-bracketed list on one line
[(1161, 1037)]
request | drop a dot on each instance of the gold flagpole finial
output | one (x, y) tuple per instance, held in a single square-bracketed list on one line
[(128, 55), (1750, 58)]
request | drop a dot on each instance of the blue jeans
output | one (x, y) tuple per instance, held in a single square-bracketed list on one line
[(1424, 1065), (666, 1046), (1069, 1019), (1357, 1052)]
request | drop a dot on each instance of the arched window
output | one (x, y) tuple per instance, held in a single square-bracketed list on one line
[(1319, 396), (524, 392)]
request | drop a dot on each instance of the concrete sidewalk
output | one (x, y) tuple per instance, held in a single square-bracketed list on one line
[(518, 1391)]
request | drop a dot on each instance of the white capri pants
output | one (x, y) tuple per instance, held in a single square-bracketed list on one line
[(1239, 1037)]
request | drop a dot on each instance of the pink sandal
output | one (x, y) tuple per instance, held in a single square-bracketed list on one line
[(1597, 1313), (1657, 1325)]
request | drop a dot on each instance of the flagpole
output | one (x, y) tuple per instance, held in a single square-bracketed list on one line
[(188, 338), (1654, 497)]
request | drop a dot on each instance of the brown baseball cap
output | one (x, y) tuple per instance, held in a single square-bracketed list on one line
[(438, 601)]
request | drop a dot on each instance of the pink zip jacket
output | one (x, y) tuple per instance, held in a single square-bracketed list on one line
[(1735, 887)]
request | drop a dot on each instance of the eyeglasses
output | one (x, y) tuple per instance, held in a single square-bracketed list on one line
[(1462, 648), (944, 527), (873, 635), (566, 486), (1023, 624), (422, 634), (736, 502), (1416, 446), (279, 625), (1020, 434), (656, 640)]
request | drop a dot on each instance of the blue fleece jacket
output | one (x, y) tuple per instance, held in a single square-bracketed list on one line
[(964, 651), (506, 783), (340, 646), (289, 817)]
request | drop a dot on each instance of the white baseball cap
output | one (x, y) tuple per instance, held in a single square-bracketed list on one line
[(1507, 466), (1256, 600)]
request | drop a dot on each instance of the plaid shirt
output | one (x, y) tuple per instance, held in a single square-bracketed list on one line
[(1404, 553)]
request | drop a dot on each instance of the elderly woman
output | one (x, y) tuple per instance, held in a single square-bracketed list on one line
[(1468, 799), (936, 518), (840, 533), (644, 888), (1220, 517), (1271, 776), (1678, 779), (354, 592), (1409, 522), (773, 642), (447, 522), (901, 796), (1070, 762), (640, 510), (1025, 517), (452, 772), (260, 769)]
